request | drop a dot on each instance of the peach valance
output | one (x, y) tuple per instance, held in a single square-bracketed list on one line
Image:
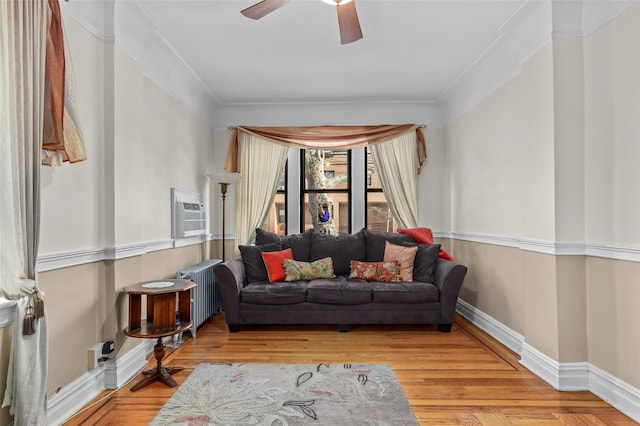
[(327, 137)]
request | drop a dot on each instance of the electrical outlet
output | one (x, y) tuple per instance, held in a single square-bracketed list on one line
[(94, 355)]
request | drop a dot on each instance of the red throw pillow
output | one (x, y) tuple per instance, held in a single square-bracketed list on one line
[(274, 261), (425, 236), (421, 235)]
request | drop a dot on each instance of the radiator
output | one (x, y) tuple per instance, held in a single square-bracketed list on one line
[(206, 299)]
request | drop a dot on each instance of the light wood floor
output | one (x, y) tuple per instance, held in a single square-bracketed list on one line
[(458, 378)]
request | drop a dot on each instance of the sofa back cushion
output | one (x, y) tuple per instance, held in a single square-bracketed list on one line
[(342, 248), (375, 241), (299, 243), (254, 268)]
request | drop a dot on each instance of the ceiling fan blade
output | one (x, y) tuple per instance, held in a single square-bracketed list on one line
[(349, 24), (262, 8)]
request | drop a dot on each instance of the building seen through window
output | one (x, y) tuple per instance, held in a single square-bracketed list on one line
[(325, 195)]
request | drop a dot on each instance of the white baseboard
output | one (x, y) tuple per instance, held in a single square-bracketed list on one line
[(563, 376), (495, 329), (110, 375), (566, 376), (616, 392)]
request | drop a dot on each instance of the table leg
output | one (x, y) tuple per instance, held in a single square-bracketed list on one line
[(160, 372)]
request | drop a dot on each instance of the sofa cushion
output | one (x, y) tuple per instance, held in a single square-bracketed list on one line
[(342, 248), (299, 243), (415, 292), (254, 269), (340, 291), (404, 255), (375, 243), (274, 262), (280, 293), (296, 270), (375, 271)]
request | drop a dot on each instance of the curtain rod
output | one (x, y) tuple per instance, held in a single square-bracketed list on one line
[(422, 126)]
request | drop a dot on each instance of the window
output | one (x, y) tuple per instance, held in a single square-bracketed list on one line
[(333, 191)]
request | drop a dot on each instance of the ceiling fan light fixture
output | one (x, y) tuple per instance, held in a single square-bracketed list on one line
[(336, 2)]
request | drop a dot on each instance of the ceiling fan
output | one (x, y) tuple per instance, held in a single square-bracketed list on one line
[(347, 16)]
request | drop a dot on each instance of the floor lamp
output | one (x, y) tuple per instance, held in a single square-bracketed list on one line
[(224, 179), (223, 191)]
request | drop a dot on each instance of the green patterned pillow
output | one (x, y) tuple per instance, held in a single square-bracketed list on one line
[(376, 271), (296, 270)]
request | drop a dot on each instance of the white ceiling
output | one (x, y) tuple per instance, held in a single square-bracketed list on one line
[(412, 50), (419, 61)]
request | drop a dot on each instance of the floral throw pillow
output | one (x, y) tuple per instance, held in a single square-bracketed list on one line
[(296, 270), (375, 271)]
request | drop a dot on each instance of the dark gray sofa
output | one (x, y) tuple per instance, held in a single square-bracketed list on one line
[(248, 298)]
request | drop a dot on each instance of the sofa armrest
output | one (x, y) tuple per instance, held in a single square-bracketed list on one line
[(230, 276), (448, 279)]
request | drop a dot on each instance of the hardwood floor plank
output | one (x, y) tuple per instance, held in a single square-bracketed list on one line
[(459, 378)]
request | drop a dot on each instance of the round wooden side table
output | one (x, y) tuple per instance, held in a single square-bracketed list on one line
[(168, 313)]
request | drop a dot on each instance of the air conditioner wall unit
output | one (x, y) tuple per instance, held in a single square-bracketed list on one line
[(188, 214)]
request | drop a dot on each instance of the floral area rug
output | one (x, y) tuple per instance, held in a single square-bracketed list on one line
[(288, 394)]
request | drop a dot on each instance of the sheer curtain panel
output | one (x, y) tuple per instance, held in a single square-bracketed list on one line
[(261, 164), (397, 163), (23, 43)]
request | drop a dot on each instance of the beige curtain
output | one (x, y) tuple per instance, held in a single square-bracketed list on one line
[(396, 162), (23, 44), (261, 164), (327, 137)]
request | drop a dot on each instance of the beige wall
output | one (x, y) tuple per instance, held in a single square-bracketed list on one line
[(563, 133), (612, 132), (140, 141), (612, 321), (612, 108), (498, 148), (86, 306)]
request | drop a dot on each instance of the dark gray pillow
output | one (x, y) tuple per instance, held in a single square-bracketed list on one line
[(424, 265), (298, 243), (375, 243), (254, 269), (342, 249), (266, 237)]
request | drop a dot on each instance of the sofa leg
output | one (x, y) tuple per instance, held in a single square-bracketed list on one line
[(234, 328), (343, 328), (445, 328)]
